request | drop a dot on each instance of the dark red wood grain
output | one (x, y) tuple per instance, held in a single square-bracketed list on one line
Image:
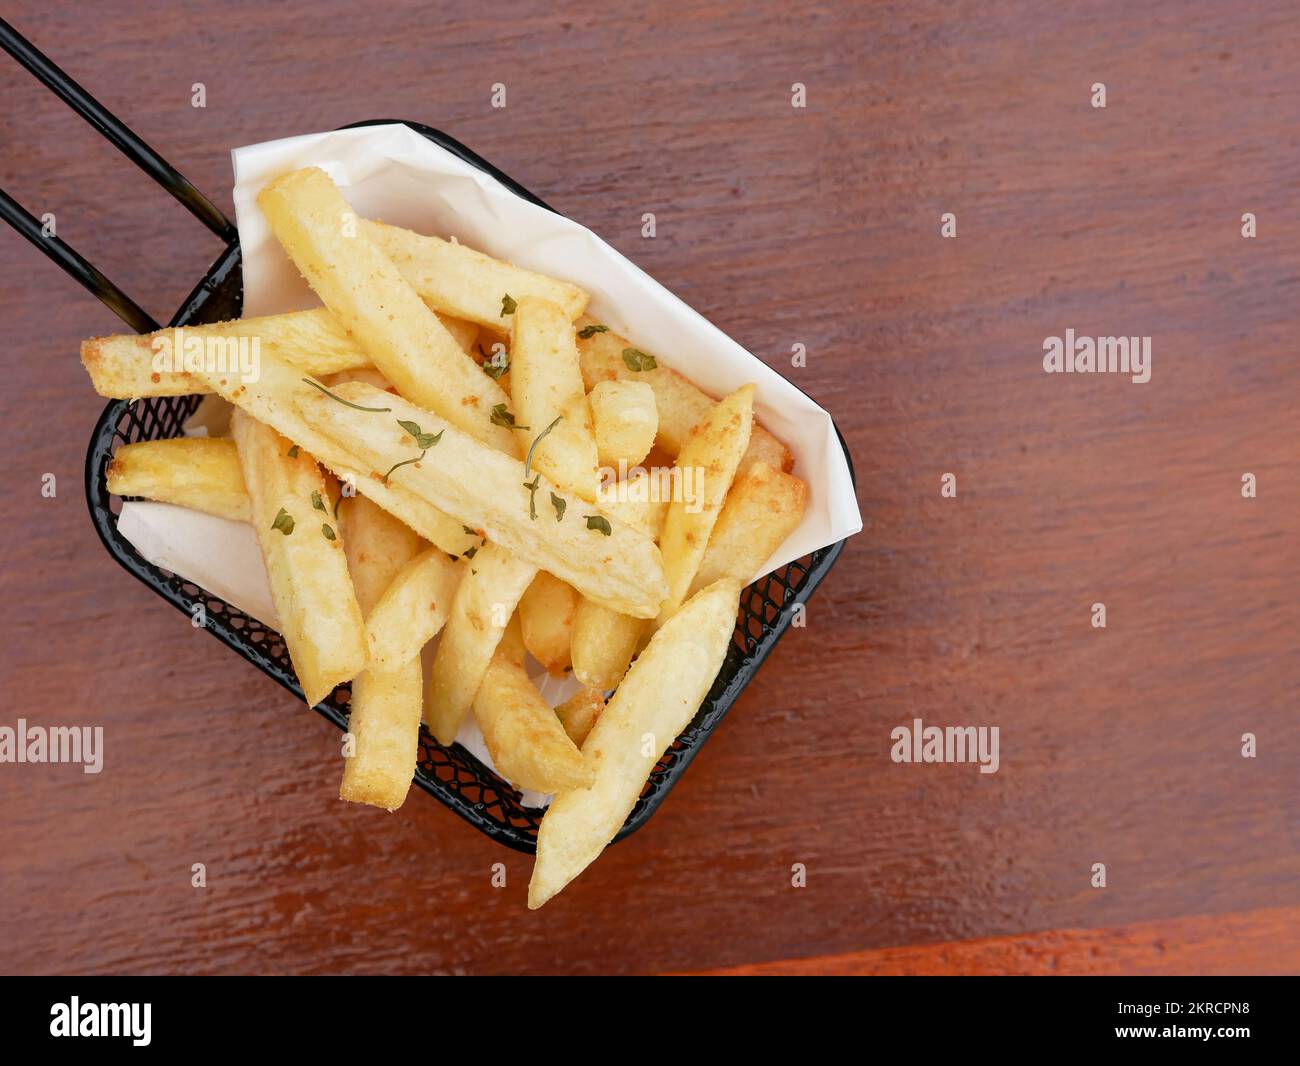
[(817, 226)]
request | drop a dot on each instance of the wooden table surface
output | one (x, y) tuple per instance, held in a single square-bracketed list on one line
[(817, 226)]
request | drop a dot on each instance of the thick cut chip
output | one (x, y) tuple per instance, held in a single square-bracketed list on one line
[(489, 589), (625, 421), (460, 281), (546, 617), (602, 644), (194, 472), (528, 745), (655, 702), (371, 299), (546, 388), (127, 366), (384, 712), (413, 609), (319, 616), (708, 461), (579, 713), (762, 509)]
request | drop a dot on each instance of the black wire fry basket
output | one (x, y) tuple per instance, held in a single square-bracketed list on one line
[(451, 774)]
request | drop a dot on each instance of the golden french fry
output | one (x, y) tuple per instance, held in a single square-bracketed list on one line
[(484, 601), (655, 702), (268, 399), (761, 510), (384, 721), (127, 366), (413, 608), (460, 281), (711, 453), (603, 559), (378, 548), (680, 405), (625, 421), (528, 745), (546, 620), (319, 617), (602, 644), (579, 713), (195, 472), (371, 299), (384, 712), (546, 388)]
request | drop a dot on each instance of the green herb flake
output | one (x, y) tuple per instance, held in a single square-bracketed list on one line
[(508, 305), (345, 403), (404, 462), (528, 460), (470, 553), (502, 417), (283, 522), (471, 532), (587, 332), (595, 521), (493, 367), (293, 452), (317, 502), (559, 503), (329, 533), (637, 360), (532, 487), (422, 439)]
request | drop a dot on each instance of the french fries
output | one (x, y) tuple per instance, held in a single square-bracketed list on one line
[(713, 451), (680, 405), (384, 713), (371, 299), (579, 713), (546, 388), (656, 701), (384, 721), (602, 644), (195, 472), (319, 617), (546, 620), (127, 366), (625, 420), (486, 515), (269, 399), (528, 745), (460, 281), (412, 609), (485, 599), (761, 510), (486, 489)]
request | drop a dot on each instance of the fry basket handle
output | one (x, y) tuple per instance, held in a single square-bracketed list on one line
[(131, 146)]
